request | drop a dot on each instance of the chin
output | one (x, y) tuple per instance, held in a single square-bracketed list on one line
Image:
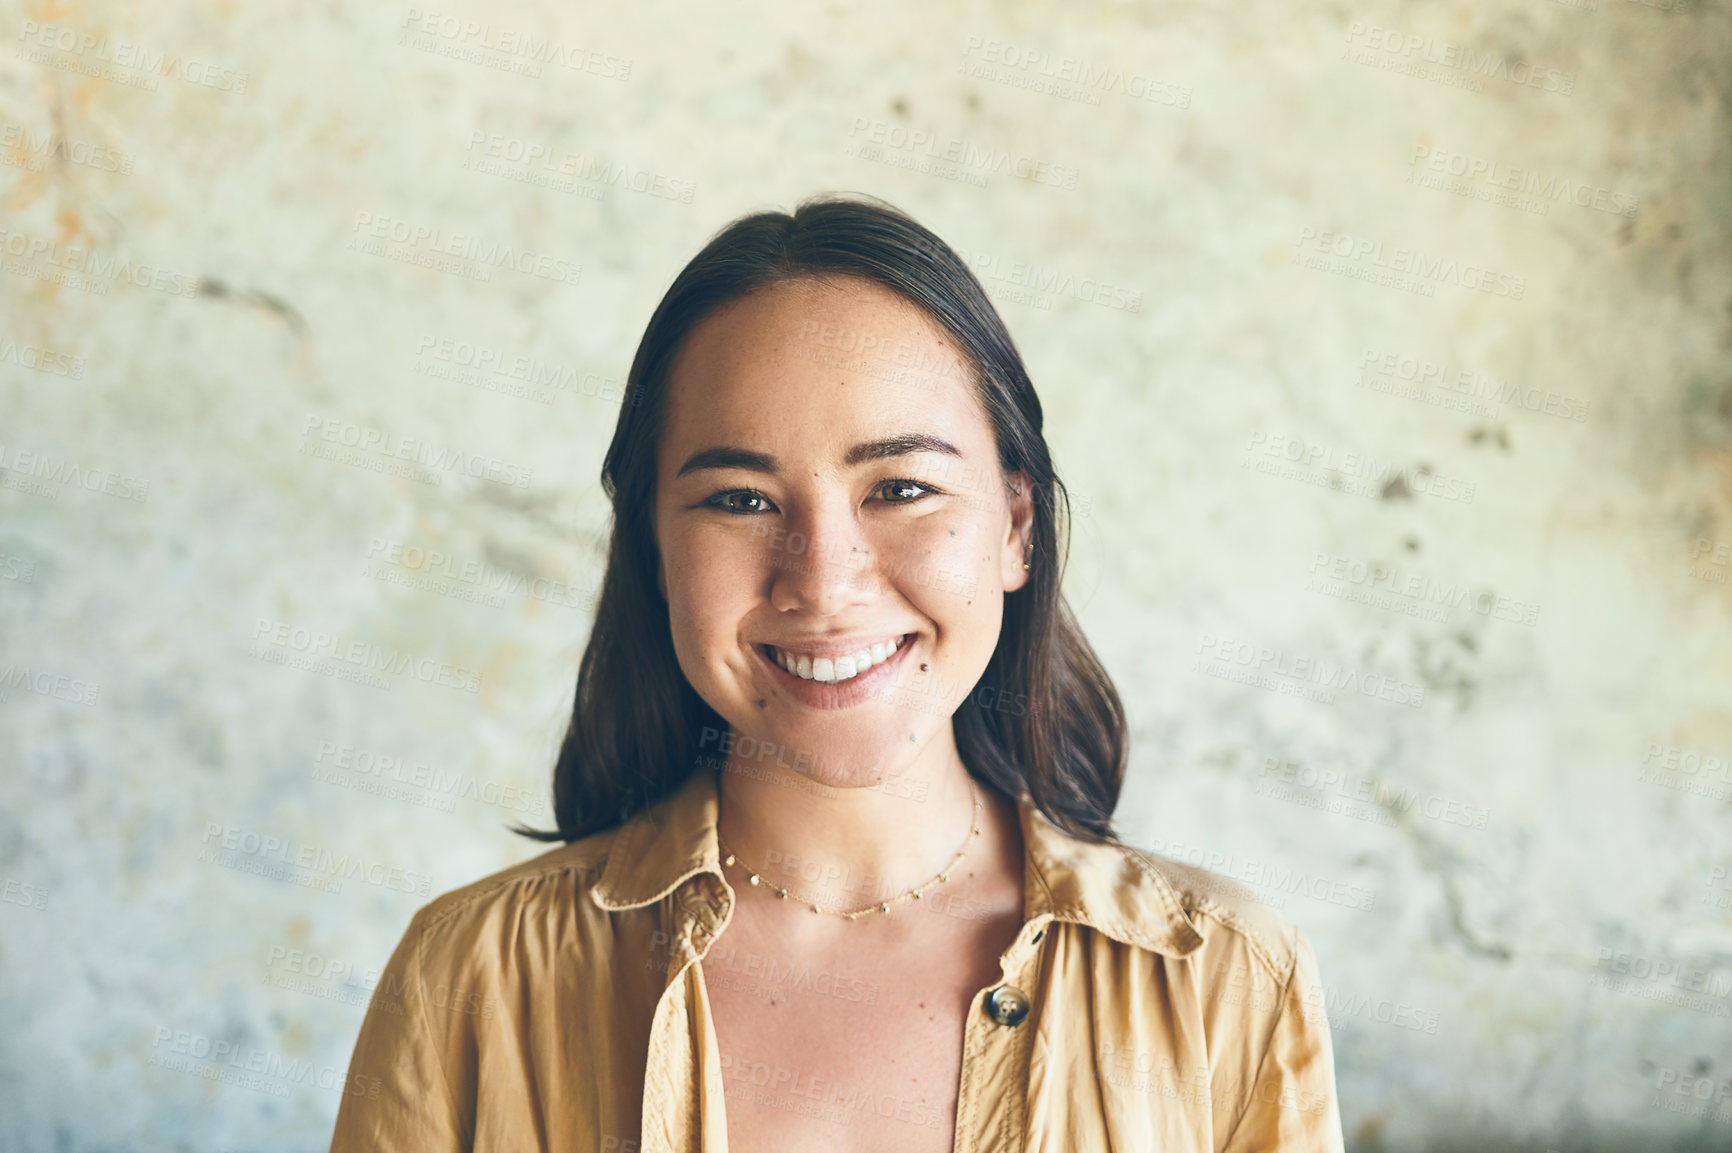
[(826, 753)]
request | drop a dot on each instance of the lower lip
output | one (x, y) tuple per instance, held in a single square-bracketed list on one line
[(854, 690)]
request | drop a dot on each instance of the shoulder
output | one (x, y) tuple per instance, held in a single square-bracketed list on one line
[(516, 899), (1228, 915), (1163, 905)]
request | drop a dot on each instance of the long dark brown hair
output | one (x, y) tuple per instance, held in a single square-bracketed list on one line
[(1044, 722)]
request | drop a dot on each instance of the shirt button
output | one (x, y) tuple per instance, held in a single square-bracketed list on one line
[(1007, 1005)]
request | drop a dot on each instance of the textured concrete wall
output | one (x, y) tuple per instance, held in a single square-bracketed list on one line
[(1386, 348)]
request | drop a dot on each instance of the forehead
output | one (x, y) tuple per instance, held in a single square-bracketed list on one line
[(820, 360)]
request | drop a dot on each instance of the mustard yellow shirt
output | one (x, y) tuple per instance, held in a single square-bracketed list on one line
[(560, 1005)]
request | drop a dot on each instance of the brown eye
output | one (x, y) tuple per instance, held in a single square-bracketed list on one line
[(723, 501), (908, 492)]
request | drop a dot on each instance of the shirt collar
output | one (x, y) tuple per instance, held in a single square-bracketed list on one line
[(1109, 887)]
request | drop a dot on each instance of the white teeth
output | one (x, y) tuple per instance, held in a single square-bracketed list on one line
[(833, 670)]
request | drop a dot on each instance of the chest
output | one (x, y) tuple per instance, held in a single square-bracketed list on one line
[(847, 1049)]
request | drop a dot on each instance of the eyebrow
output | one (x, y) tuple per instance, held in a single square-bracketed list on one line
[(727, 456)]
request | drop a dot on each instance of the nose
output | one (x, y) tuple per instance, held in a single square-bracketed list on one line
[(822, 565)]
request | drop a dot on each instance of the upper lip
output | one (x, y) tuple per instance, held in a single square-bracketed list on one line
[(831, 647)]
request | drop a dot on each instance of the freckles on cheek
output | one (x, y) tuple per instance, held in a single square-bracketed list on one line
[(717, 580), (960, 548), (940, 567), (715, 592)]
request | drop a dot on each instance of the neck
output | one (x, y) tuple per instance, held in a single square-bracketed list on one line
[(845, 848)]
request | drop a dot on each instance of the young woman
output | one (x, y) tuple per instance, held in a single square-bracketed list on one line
[(839, 871)]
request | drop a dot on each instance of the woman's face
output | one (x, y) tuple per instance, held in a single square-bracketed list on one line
[(828, 486)]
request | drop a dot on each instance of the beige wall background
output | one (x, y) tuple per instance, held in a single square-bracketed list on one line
[(1386, 348)]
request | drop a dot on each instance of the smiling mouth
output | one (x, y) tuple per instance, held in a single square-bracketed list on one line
[(838, 668)]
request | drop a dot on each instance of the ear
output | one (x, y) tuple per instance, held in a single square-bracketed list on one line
[(1018, 531)]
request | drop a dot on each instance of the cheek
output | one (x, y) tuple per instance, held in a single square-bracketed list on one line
[(709, 588), (944, 565)]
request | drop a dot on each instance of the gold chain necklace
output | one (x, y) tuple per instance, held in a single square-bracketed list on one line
[(753, 877)]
